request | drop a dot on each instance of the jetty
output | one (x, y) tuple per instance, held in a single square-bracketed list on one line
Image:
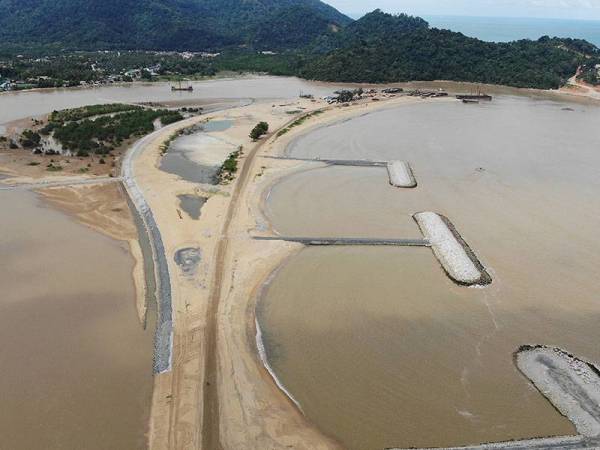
[(348, 241), (334, 162), (400, 172)]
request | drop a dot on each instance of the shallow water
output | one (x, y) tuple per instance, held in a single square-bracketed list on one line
[(196, 157), (17, 105), (379, 347), (76, 362), (217, 125), (191, 204)]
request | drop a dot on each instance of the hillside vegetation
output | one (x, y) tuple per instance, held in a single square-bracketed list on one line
[(191, 25), (385, 48), (309, 38)]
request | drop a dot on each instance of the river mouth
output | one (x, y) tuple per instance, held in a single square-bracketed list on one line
[(77, 363), (377, 345)]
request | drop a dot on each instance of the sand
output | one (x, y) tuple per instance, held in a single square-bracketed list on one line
[(104, 209), (214, 308)]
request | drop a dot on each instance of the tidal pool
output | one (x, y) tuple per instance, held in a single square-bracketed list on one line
[(377, 345)]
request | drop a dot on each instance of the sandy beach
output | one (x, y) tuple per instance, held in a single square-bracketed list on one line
[(217, 376)]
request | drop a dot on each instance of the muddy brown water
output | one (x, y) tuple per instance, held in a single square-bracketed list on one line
[(377, 345), (227, 91), (76, 362)]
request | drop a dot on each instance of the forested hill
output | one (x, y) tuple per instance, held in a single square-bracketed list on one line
[(190, 25), (384, 48)]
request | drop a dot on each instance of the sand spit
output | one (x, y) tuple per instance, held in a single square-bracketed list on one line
[(163, 340), (401, 174), (453, 253), (571, 384)]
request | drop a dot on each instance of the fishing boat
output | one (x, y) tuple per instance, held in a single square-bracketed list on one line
[(187, 88), (477, 96)]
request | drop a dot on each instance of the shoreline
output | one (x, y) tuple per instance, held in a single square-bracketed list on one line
[(282, 148), (259, 413)]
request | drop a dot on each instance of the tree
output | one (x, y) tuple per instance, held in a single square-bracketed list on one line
[(260, 129)]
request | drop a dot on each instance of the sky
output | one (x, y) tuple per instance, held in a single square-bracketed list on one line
[(560, 9)]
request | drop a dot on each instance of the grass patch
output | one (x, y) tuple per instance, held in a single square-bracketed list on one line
[(230, 166), (299, 122)]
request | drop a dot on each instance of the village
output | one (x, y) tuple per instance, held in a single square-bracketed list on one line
[(83, 69)]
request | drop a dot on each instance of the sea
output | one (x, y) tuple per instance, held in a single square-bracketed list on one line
[(506, 29)]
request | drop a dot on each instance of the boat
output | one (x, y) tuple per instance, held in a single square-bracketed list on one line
[(478, 96), (188, 88), (469, 100)]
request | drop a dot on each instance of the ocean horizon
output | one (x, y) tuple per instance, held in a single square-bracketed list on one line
[(506, 29)]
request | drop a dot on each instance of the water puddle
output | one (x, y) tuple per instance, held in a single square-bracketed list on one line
[(191, 204), (188, 260), (197, 157)]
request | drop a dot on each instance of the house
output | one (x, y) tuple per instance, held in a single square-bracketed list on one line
[(133, 73)]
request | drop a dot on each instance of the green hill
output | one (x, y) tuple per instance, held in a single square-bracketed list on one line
[(385, 48), (165, 24)]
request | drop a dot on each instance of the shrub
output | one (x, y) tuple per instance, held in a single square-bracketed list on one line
[(260, 129)]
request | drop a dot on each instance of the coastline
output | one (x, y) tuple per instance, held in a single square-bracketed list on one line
[(259, 409), (105, 210), (264, 259), (275, 171)]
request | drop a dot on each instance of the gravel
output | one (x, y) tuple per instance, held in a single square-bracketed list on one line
[(571, 384), (401, 174), (452, 253)]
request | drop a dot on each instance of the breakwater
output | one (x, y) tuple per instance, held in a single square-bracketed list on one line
[(163, 337), (453, 253), (401, 174)]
